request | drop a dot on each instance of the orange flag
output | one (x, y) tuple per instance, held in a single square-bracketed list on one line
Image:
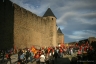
[(33, 49)]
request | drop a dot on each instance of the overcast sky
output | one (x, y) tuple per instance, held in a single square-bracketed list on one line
[(76, 18)]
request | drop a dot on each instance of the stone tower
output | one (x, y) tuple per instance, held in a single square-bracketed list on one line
[(52, 17), (60, 36)]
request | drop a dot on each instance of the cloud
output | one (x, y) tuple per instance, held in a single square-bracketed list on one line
[(77, 35), (66, 16), (74, 37), (89, 15), (85, 33), (78, 5), (39, 10)]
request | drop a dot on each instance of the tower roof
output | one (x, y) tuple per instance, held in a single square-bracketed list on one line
[(49, 13), (59, 30)]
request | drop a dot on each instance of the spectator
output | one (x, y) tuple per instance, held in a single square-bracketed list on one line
[(37, 57), (56, 55), (31, 55), (42, 58), (8, 56), (22, 58), (27, 55), (47, 58)]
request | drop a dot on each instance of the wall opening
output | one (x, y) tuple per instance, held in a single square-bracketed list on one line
[(52, 18)]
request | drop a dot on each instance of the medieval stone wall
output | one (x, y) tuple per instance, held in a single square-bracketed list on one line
[(30, 29), (60, 38), (91, 39)]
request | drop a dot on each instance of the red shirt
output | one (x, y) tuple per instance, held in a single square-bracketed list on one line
[(37, 56), (61, 50)]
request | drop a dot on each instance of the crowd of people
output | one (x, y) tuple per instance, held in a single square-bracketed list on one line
[(49, 54), (86, 54), (43, 55)]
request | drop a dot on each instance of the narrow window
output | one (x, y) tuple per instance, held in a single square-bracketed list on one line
[(52, 18)]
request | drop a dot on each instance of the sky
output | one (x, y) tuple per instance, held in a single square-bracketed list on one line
[(76, 18)]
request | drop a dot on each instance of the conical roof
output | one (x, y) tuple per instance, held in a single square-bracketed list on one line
[(59, 30), (49, 13)]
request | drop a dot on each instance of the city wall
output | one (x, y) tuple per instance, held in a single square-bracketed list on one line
[(60, 38), (91, 39), (30, 29)]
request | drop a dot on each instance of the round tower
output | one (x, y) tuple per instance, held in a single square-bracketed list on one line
[(53, 28)]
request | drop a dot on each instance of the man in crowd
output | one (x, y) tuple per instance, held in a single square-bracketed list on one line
[(42, 58)]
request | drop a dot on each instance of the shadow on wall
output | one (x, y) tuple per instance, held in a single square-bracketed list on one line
[(6, 24)]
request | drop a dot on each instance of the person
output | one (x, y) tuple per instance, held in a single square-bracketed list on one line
[(56, 55), (22, 58), (79, 54), (2, 55), (42, 58), (27, 56), (19, 53), (61, 52), (47, 58), (31, 55), (8, 56), (37, 57), (71, 51)]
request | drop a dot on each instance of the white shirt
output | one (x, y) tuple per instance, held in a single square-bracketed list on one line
[(42, 58)]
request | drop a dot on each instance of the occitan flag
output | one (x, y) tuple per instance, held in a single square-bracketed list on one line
[(33, 49)]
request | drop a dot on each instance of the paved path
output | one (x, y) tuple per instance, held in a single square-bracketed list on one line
[(14, 59), (62, 61), (70, 56)]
